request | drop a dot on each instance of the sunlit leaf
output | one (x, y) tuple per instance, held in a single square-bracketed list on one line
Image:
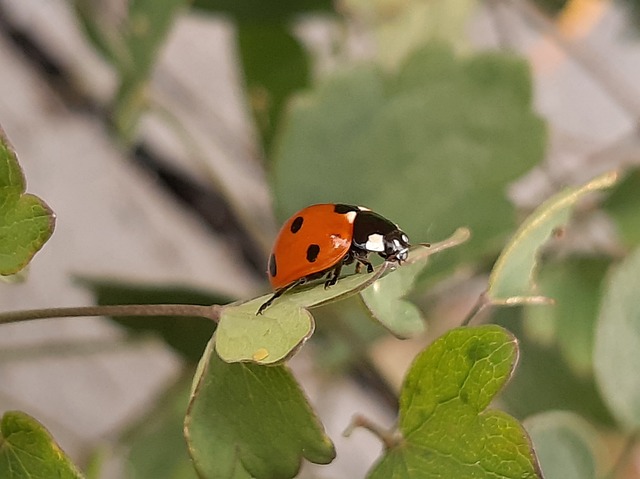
[(284, 326), (246, 420), (27, 451), (445, 427), (512, 278), (26, 222)]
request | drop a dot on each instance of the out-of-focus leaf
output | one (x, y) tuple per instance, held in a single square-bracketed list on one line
[(617, 346), (157, 448), (108, 42), (247, 420), (431, 148), (147, 27), (512, 278), (575, 286), (27, 450), (275, 66), (26, 222), (445, 428), (565, 444), (543, 380), (552, 6), (259, 11), (384, 298), (623, 205), (188, 336), (402, 27)]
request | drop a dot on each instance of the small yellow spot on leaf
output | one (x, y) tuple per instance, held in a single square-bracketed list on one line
[(260, 354)]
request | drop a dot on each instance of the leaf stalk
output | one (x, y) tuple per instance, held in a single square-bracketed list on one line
[(211, 312)]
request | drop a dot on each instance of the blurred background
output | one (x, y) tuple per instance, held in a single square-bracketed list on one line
[(172, 138)]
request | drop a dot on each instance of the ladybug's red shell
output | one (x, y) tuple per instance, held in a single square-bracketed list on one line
[(311, 241)]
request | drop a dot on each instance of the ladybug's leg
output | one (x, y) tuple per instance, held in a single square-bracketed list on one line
[(334, 274), (362, 260), (279, 293)]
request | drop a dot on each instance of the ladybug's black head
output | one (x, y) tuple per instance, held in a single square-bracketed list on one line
[(376, 234), (396, 246)]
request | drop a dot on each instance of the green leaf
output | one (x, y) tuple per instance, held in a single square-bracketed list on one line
[(512, 278), (445, 427), (575, 285), (623, 205), (284, 326), (617, 347), (384, 298), (431, 148), (157, 447), (108, 42), (565, 444), (275, 65), (259, 11), (28, 451), (26, 222), (187, 336), (246, 420)]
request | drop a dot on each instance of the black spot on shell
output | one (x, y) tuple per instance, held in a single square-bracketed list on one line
[(342, 209), (312, 252), (273, 269), (297, 224)]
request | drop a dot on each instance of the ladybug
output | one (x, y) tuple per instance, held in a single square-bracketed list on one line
[(320, 239)]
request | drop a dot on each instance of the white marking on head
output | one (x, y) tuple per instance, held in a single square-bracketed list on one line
[(396, 243), (405, 238), (362, 208), (375, 243), (351, 216)]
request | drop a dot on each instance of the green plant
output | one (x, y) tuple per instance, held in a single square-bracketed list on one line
[(431, 138)]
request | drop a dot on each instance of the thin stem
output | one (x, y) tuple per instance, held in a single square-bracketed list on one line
[(189, 310), (389, 438), (481, 303), (625, 455)]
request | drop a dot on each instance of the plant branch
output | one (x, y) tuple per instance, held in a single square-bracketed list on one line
[(390, 438), (479, 306), (211, 312)]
